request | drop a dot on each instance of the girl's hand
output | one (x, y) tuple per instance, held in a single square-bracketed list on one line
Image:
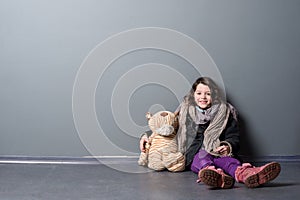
[(223, 150), (143, 142)]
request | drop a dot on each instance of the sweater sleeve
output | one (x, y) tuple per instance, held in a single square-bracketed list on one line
[(146, 133), (231, 134)]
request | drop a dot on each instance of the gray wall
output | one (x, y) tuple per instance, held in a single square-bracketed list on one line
[(255, 45)]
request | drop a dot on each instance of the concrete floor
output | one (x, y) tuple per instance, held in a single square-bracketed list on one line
[(98, 181)]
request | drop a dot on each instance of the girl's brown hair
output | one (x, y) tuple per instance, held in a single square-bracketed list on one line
[(216, 94)]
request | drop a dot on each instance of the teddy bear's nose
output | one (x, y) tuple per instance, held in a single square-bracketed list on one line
[(164, 114)]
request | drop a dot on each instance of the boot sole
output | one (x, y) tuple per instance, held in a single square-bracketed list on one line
[(266, 174), (214, 179)]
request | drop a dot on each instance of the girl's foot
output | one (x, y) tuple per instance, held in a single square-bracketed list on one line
[(256, 176), (215, 178)]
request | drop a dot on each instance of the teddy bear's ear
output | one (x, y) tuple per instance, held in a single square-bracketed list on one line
[(148, 115)]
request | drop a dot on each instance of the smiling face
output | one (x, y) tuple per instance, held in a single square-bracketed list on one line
[(202, 96)]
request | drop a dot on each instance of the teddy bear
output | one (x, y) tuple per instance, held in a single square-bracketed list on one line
[(161, 150)]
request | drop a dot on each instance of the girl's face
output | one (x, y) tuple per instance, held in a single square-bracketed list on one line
[(202, 96)]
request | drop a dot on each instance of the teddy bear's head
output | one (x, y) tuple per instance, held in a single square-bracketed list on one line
[(163, 122)]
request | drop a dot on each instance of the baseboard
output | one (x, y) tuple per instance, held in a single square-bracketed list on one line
[(119, 159), (67, 159), (277, 158)]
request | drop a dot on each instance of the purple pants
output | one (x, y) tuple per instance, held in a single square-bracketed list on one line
[(203, 159)]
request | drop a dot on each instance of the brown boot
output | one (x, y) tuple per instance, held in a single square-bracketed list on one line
[(255, 176), (215, 178)]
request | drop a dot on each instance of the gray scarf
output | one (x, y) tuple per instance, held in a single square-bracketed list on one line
[(190, 118)]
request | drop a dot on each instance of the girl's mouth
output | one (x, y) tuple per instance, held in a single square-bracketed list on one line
[(203, 102)]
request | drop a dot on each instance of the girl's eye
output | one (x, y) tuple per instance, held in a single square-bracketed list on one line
[(208, 94)]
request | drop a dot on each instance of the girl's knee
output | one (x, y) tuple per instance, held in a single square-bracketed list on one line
[(201, 160)]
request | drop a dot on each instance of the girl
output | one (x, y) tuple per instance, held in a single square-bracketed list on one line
[(208, 135)]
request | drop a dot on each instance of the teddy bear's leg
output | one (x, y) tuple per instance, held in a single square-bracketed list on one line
[(174, 162), (155, 161), (143, 159)]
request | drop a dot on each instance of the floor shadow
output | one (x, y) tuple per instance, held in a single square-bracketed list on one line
[(278, 184)]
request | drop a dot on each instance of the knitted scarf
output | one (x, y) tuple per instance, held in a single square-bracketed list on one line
[(189, 120)]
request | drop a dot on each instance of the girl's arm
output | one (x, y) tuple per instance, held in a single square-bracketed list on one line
[(144, 139), (231, 135)]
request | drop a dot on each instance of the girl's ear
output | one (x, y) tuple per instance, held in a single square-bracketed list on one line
[(148, 115)]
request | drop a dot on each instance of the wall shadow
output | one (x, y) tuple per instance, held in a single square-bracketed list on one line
[(247, 151), (247, 146)]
